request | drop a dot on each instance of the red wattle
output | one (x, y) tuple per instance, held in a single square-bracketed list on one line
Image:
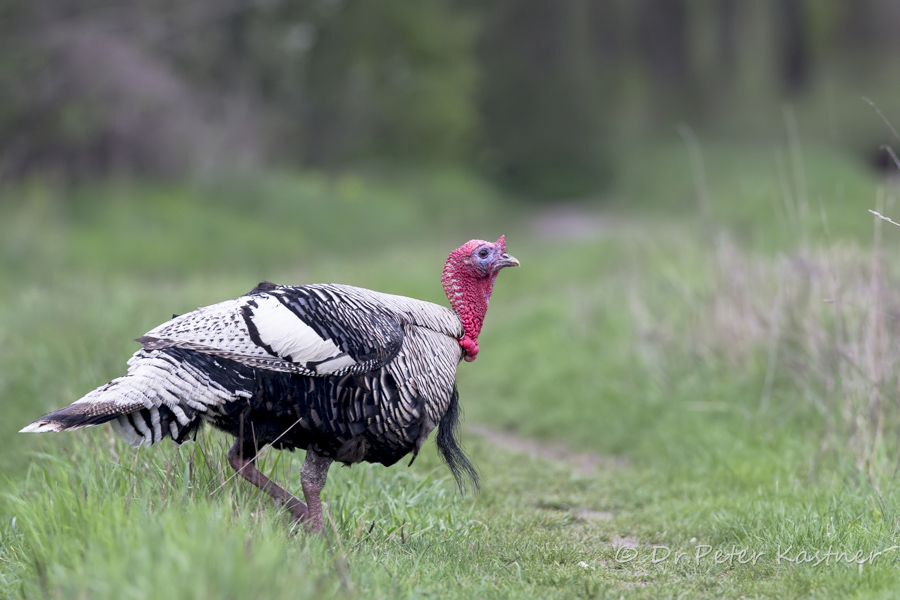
[(470, 346)]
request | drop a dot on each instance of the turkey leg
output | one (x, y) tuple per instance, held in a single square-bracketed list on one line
[(241, 457), (312, 478)]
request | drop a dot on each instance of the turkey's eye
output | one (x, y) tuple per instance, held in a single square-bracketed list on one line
[(483, 253)]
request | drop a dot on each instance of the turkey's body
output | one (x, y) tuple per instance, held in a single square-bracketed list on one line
[(345, 373), (371, 396)]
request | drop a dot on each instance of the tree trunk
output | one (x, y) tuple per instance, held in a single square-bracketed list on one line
[(662, 43), (727, 38), (795, 51)]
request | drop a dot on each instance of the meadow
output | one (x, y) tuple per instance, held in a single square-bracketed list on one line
[(687, 390)]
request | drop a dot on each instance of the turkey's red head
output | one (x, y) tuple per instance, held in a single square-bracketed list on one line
[(469, 275)]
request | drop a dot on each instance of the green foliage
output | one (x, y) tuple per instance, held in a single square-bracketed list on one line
[(771, 196), (173, 90), (536, 94), (410, 71), (248, 224)]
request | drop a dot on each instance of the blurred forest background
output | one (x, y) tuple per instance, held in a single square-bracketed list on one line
[(537, 95)]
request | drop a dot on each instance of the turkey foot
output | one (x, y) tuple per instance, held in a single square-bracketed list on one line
[(245, 467)]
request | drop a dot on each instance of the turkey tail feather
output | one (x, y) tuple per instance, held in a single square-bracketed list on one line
[(104, 404), (76, 416), (450, 449), (133, 422), (143, 407)]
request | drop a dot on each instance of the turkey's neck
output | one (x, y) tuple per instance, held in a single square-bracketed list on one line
[(469, 296)]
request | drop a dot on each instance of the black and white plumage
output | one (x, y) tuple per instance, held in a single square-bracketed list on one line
[(346, 373)]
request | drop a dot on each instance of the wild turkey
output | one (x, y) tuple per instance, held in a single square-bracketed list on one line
[(345, 373)]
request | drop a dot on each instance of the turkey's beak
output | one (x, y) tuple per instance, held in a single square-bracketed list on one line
[(505, 260)]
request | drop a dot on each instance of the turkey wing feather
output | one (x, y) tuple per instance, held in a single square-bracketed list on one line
[(314, 330)]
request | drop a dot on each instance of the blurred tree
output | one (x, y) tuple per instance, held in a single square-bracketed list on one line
[(794, 45), (727, 17), (166, 87), (661, 40), (540, 99), (528, 89), (392, 78), (859, 18)]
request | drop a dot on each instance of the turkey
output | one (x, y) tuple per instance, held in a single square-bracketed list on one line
[(345, 373)]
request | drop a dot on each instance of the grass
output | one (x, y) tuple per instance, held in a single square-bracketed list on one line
[(769, 196), (649, 347)]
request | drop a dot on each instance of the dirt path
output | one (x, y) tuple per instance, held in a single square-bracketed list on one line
[(581, 462), (572, 222), (557, 452)]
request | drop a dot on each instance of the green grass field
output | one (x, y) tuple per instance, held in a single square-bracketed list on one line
[(661, 396)]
